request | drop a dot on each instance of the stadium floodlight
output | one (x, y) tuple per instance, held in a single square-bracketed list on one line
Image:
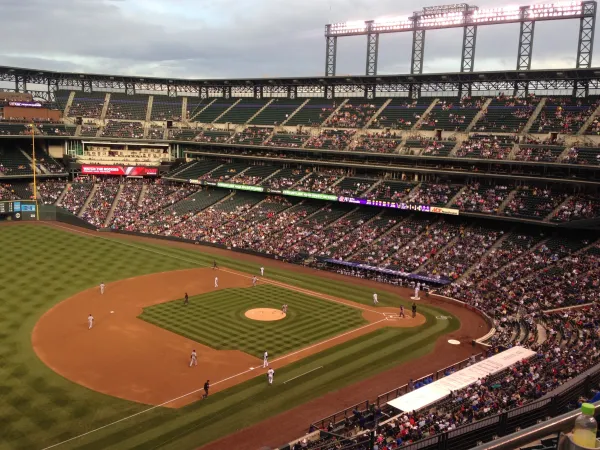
[(469, 17)]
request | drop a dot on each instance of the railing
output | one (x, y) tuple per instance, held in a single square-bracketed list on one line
[(538, 413)]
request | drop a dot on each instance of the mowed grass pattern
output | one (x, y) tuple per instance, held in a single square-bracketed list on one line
[(41, 266), (217, 319)]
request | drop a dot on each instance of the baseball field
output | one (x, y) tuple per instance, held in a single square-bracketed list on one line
[(127, 383)]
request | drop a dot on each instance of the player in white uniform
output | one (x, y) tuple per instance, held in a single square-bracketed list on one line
[(216, 282), (193, 359), (102, 286), (265, 360), (254, 281), (375, 301), (90, 322), (417, 289), (262, 271), (270, 374)]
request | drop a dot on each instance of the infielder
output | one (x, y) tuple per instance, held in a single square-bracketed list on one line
[(262, 271), (270, 374), (215, 265), (193, 359), (402, 311), (216, 282), (186, 299), (102, 288), (265, 360), (254, 281), (375, 301), (90, 321)]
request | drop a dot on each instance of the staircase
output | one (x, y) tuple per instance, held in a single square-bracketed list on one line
[(299, 182), (588, 122), (479, 115), (142, 195), (69, 104), (113, 206), (459, 143), (536, 113), (78, 130), (184, 109), (88, 200), (206, 106), (335, 111), (227, 110), (295, 111), (149, 107), (514, 151), (453, 199), (507, 200), (146, 125), (418, 123), (259, 111), (555, 210), (105, 106), (270, 176), (379, 111), (41, 167), (496, 245), (62, 195), (374, 186), (441, 252)]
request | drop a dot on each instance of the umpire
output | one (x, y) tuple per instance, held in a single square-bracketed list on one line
[(414, 310)]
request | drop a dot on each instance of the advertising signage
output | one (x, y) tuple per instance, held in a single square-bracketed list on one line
[(124, 171), (333, 198)]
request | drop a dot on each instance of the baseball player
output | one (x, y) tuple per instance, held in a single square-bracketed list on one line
[(216, 282), (254, 281), (375, 301), (417, 289), (270, 374), (90, 321), (414, 310), (215, 265), (206, 388), (193, 358), (265, 360), (186, 299), (262, 271), (402, 311), (102, 286)]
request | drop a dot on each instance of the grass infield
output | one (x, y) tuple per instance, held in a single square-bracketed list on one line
[(41, 266), (217, 320)]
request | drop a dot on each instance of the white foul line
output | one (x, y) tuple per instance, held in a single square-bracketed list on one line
[(301, 375), (225, 379)]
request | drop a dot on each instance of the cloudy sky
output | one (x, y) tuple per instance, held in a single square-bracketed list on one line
[(245, 38)]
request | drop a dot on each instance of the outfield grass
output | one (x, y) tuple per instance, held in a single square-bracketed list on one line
[(217, 320), (41, 266)]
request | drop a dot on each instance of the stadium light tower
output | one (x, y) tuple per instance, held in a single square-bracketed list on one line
[(469, 18)]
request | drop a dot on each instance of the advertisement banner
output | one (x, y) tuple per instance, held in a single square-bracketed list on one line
[(398, 205), (398, 273), (125, 171), (311, 195), (241, 187), (25, 104)]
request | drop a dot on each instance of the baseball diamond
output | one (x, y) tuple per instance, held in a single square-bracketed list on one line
[(380, 261)]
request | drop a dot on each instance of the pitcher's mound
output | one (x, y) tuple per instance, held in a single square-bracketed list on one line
[(265, 314)]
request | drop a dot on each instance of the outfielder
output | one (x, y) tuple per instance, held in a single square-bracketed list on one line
[(216, 282), (270, 374), (265, 360), (262, 271), (102, 286), (193, 359), (375, 301), (90, 321)]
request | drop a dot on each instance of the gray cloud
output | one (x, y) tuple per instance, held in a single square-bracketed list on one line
[(253, 38)]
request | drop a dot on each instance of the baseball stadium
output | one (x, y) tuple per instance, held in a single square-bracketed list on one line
[(348, 262)]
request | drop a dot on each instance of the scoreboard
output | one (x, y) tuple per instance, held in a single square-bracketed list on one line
[(18, 210)]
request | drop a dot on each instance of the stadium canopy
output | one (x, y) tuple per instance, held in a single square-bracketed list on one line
[(436, 391)]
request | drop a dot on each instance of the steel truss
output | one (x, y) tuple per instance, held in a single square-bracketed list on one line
[(418, 52), (587, 27), (427, 19), (467, 60), (581, 82), (525, 44), (372, 51)]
